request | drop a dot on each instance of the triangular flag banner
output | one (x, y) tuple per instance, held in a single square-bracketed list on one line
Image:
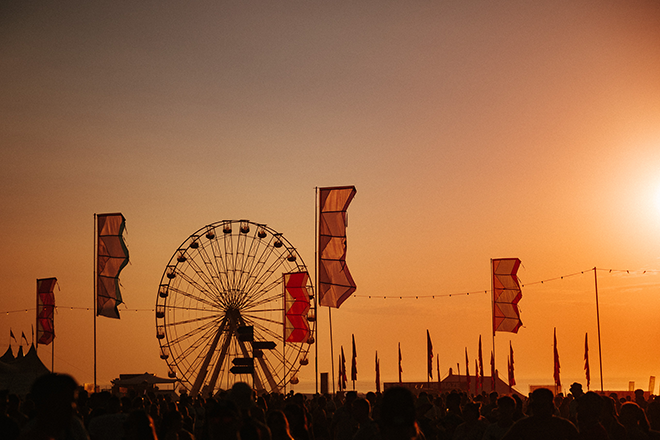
[(112, 257), (45, 310), (506, 295), (335, 281), (296, 326)]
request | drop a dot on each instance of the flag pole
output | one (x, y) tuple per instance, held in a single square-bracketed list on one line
[(316, 285), (600, 356), (95, 245), (492, 306), (332, 351)]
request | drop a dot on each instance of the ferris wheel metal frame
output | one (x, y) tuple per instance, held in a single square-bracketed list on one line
[(225, 276)]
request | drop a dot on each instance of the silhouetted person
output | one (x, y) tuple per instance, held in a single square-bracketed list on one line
[(610, 420), (279, 426), (343, 424), (504, 411), (139, 426), (54, 395), (639, 399), (251, 428), (454, 415), (542, 424), (367, 428), (473, 426), (223, 420), (9, 427), (397, 415), (632, 417), (589, 412), (320, 423)]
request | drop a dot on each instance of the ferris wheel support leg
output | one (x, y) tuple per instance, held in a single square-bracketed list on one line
[(246, 353), (205, 365), (221, 361), (269, 376)]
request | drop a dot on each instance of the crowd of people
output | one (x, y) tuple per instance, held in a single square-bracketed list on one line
[(57, 409)]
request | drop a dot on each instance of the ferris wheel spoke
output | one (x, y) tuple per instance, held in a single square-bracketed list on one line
[(211, 294), (275, 265), (207, 327), (260, 318), (219, 264), (268, 293), (270, 255), (210, 272), (195, 298), (189, 321), (267, 300), (199, 270)]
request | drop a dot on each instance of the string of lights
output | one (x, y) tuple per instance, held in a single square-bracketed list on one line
[(487, 291), (444, 295), (73, 308)]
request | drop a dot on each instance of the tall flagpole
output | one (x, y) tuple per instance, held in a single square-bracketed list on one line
[(332, 351), (316, 285), (95, 245), (492, 306), (600, 356)]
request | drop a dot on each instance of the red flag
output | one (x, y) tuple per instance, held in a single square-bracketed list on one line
[(112, 257), (377, 374), (587, 370), (556, 372), (400, 369), (477, 382), (512, 378), (296, 300), (438, 364), (335, 281), (343, 370), (492, 371), (429, 355), (354, 361), (45, 310), (506, 295), (481, 367), (467, 370)]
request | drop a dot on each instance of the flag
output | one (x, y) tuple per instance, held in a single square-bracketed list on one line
[(587, 370), (506, 295), (377, 374), (556, 357), (481, 367), (429, 355), (45, 310), (400, 369), (438, 364), (11, 335), (467, 370), (296, 305), (343, 370), (112, 257), (477, 382), (508, 370), (512, 378), (335, 281), (354, 361), (492, 371)]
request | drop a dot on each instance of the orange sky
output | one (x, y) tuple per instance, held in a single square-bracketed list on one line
[(471, 130)]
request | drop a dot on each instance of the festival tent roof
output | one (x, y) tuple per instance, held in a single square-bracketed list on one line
[(128, 380), (18, 374)]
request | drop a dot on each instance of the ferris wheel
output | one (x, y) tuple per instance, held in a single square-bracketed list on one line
[(224, 279)]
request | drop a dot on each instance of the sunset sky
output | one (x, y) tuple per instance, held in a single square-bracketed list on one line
[(471, 130)]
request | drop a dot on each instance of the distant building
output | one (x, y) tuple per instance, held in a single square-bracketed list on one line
[(142, 383)]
